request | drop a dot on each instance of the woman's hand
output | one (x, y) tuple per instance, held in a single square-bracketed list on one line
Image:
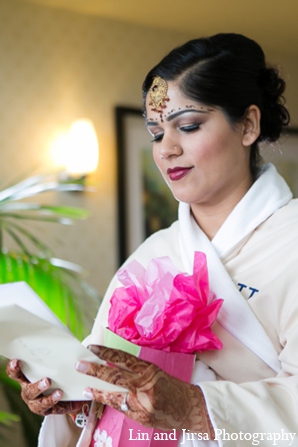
[(32, 394), (155, 399)]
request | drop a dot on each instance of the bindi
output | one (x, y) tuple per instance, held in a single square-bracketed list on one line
[(158, 95)]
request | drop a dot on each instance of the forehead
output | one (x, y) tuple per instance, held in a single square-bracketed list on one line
[(171, 93), (176, 101)]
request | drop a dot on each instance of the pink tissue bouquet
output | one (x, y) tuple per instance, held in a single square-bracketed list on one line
[(168, 314), (164, 309)]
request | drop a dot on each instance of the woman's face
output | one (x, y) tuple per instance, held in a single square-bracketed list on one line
[(201, 156)]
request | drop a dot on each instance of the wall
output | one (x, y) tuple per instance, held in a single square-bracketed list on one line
[(57, 66)]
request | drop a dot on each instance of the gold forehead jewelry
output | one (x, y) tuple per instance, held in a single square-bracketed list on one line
[(158, 95)]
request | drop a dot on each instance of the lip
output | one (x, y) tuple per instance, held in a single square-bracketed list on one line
[(177, 173)]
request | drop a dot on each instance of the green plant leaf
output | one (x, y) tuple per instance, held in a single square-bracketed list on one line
[(7, 418), (18, 241), (42, 248), (61, 284), (41, 218), (62, 289), (65, 211), (37, 185)]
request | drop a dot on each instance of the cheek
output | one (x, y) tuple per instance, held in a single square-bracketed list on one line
[(205, 151), (155, 155), (218, 150), (157, 159), (160, 165)]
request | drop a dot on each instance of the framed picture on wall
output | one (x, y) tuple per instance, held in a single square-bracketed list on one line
[(145, 202), (284, 155)]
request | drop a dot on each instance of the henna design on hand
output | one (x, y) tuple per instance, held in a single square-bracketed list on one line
[(32, 394), (155, 399)]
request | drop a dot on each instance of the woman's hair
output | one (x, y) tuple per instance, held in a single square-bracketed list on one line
[(228, 71)]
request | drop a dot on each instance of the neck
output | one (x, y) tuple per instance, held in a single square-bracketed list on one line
[(210, 217)]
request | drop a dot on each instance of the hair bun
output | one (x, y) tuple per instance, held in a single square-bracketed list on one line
[(274, 113), (272, 83)]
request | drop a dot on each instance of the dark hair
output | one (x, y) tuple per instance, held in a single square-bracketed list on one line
[(228, 71)]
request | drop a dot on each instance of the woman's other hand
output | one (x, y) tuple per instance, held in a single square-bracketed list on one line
[(155, 399), (32, 394)]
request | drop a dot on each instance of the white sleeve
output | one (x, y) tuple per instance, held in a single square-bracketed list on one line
[(58, 431), (264, 412)]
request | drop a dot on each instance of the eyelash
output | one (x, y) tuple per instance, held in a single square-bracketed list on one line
[(191, 128), (156, 138)]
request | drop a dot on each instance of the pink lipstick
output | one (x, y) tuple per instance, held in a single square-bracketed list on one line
[(177, 173)]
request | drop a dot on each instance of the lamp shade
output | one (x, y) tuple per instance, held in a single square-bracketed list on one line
[(82, 149)]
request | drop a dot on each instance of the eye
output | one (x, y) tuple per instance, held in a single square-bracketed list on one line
[(190, 127), (157, 138)]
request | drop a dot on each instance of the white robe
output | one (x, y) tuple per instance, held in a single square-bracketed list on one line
[(249, 402)]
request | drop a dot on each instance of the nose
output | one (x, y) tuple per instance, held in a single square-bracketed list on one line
[(169, 149)]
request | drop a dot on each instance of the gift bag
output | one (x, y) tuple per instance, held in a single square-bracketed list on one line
[(114, 429)]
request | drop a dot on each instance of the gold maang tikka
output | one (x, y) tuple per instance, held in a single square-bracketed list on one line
[(158, 95)]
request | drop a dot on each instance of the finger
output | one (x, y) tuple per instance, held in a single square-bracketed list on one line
[(109, 374), (31, 391), (50, 404), (126, 403), (46, 405), (14, 372), (66, 407), (119, 358), (114, 400)]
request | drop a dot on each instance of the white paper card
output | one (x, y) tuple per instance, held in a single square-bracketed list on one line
[(44, 345), (21, 294)]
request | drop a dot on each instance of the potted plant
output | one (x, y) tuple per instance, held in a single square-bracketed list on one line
[(59, 283)]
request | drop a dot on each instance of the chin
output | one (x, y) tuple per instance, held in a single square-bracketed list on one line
[(179, 199)]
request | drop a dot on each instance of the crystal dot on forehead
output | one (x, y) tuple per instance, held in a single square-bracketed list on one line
[(158, 95)]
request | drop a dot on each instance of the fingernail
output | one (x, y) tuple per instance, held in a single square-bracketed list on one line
[(95, 349), (57, 394), (14, 364), (43, 385), (82, 366), (87, 394)]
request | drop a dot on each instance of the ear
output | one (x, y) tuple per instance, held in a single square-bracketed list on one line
[(251, 123)]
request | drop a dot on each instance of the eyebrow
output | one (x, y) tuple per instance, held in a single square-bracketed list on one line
[(174, 115)]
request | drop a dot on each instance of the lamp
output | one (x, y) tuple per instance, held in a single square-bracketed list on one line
[(82, 157), (77, 151)]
